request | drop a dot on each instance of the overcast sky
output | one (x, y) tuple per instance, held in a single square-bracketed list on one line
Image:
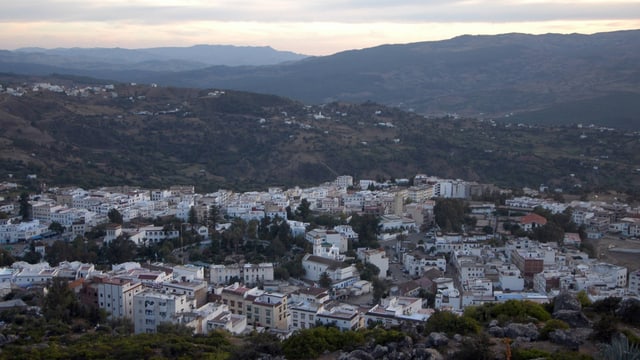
[(314, 27)]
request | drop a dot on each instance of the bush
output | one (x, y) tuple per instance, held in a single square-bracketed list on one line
[(511, 310), (450, 323)]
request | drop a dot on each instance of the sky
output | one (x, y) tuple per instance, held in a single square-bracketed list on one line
[(312, 27)]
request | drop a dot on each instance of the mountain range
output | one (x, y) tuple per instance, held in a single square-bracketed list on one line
[(556, 79)]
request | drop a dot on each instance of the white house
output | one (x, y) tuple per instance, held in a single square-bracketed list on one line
[(377, 257)]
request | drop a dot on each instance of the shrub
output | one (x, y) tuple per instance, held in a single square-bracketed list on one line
[(450, 323)]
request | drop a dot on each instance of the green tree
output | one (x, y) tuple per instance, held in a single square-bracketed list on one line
[(380, 288), (450, 323), (303, 211), (192, 217), (367, 271), (120, 250), (25, 207), (56, 227), (325, 280), (60, 302), (115, 216), (6, 259), (450, 214), (368, 228)]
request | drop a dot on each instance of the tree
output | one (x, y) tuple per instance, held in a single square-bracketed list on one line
[(25, 207), (303, 211), (6, 259), (379, 289), (367, 271), (214, 215), (450, 214), (56, 227), (32, 257), (325, 280), (368, 228), (120, 250), (115, 216), (60, 302), (193, 216)]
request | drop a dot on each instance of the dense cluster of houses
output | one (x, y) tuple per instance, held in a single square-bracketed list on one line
[(456, 269)]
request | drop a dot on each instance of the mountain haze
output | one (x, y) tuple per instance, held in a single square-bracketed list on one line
[(536, 78)]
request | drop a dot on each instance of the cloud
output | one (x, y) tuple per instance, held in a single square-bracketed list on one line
[(354, 11), (312, 26)]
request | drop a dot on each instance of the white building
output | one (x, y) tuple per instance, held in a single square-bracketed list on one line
[(151, 308), (115, 296), (250, 274), (344, 317), (377, 257), (315, 266), (394, 310), (510, 278)]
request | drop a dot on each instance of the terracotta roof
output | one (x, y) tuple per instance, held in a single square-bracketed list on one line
[(533, 218)]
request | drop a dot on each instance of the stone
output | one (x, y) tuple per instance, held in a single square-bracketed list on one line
[(566, 301), (493, 323), (434, 354), (496, 331), (436, 339), (629, 309), (379, 352), (573, 318), (567, 338), (359, 355), (528, 331)]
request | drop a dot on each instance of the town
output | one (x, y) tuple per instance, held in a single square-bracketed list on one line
[(345, 253)]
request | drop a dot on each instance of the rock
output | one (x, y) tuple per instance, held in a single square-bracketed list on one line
[(629, 309), (434, 354), (566, 301), (458, 337), (567, 338), (573, 318), (436, 339), (379, 352), (406, 342), (493, 323), (496, 331), (359, 355), (528, 331)]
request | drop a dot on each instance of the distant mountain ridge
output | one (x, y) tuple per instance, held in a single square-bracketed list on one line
[(523, 78), (182, 58)]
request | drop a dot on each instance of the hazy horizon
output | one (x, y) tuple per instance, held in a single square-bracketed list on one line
[(310, 28)]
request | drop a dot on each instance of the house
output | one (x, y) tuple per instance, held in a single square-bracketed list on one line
[(572, 239), (315, 266), (532, 221), (376, 257), (152, 308)]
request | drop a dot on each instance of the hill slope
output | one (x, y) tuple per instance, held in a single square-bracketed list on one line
[(488, 76), (155, 136)]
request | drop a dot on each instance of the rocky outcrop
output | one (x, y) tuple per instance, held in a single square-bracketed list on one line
[(402, 350), (522, 331), (573, 318), (567, 308), (629, 309), (566, 301), (437, 339), (496, 331), (568, 338)]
